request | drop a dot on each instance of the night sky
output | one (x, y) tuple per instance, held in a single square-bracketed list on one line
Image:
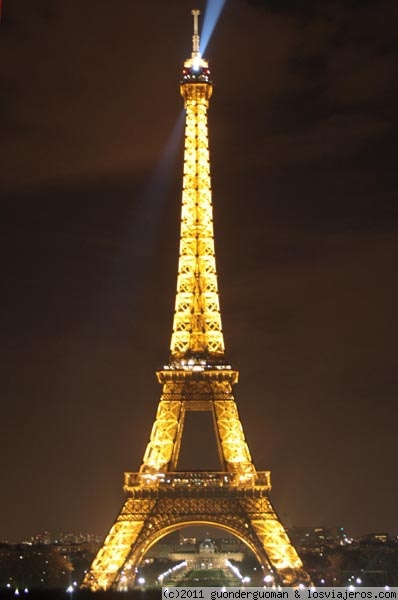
[(303, 158)]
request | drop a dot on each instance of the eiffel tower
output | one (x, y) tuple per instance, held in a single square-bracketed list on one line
[(160, 498)]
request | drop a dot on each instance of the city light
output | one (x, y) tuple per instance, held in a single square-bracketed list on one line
[(177, 567)]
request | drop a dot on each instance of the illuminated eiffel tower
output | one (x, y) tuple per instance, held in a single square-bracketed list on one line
[(159, 498)]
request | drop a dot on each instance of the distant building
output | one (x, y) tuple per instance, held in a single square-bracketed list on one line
[(42, 538), (317, 538), (374, 538), (205, 555), (78, 538), (45, 538)]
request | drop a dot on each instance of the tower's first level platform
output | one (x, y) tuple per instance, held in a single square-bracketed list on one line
[(198, 483)]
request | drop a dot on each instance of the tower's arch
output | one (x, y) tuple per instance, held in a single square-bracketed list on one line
[(141, 550)]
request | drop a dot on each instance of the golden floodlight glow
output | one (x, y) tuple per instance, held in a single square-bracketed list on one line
[(159, 498)]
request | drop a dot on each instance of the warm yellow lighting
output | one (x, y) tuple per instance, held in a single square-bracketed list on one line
[(197, 320), (159, 499)]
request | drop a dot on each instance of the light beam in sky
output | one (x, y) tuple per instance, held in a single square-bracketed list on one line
[(143, 225), (212, 13)]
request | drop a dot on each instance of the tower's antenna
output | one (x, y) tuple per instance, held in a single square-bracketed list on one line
[(195, 37)]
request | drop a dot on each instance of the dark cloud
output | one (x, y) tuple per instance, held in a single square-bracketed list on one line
[(309, 7), (73, 86)]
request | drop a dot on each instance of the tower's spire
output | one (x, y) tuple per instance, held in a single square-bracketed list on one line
[(195, 37)]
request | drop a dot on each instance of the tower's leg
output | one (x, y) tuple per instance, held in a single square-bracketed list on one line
[(167, 426), (111, 558), (230, 432), (275, 542)]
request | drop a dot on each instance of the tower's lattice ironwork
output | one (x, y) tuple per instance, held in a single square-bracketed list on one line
[(159, 498)]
